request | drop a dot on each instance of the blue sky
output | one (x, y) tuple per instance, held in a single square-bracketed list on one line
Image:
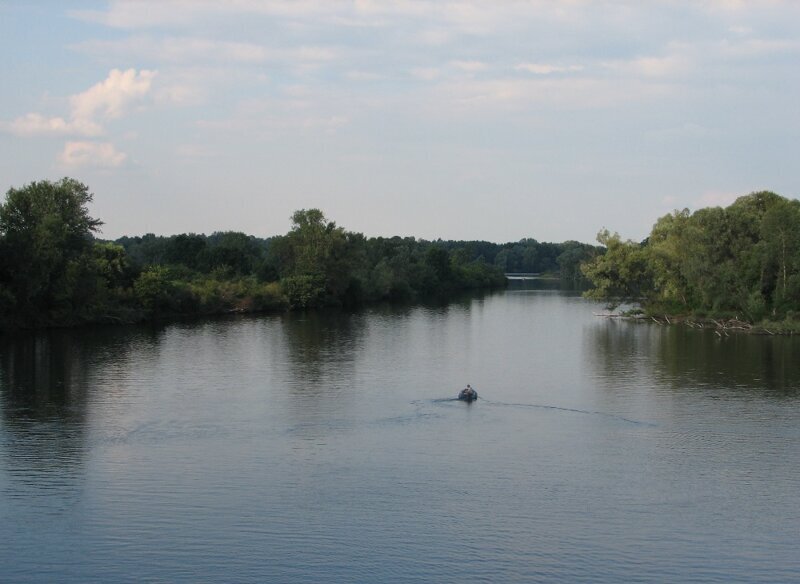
[(459, 119)]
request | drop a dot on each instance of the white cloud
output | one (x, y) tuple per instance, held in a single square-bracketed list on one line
[(328, 124), (37, 125), (470, 16), (190, 49), (271, 117), (90, 154), (108, 99), (179, 49), (545, 69), (191, 86), (557, 92), (132, 14), (197, 152), (434, 37), (727, 5), (517, 78), (470, 66), (180, 94), (436, 22), (739, 29), (755, 47), (113, 96), (364, 76), (426, 73), (666, 66)]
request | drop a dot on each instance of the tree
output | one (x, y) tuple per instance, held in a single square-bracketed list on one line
[(45, 228), (670, 246), (569, 261), (501, 260), (185, 249), (311, 240), (439, 260), (780, 257), (620, 274), (742, 260), (154, 289), (323, 261), (232, 251)]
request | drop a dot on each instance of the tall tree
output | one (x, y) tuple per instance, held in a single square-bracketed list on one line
[(780, 258), (740, 260), (622, 273), (46, 228), (319, 260)]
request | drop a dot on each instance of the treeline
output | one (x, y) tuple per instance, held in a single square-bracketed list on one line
[(741, 261), (316, 264), (243, 254), (560, 260), (55, 272)]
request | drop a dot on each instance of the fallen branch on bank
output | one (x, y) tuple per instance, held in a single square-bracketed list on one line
[(721, 326)]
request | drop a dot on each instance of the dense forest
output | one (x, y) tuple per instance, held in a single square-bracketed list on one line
[(54, 271), (742, 262)]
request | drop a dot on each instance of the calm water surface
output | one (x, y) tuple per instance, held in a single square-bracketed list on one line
[(327, 447)]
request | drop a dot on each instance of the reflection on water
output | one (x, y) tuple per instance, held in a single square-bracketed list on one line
[(45, 384), (763, 363), (43, 381), (327, 446), (685, 357), (319, 345)]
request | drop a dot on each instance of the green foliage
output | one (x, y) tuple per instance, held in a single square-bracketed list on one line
[(186, 249), (570, 259), (479, 274), (111, 265), (268, 296), (46, 233), (154, 289), (438, 260), (304, 291), (779, 254), (319, 262), (231, 250), (53, 272), (238, 295), (740, 260), (622, 273)]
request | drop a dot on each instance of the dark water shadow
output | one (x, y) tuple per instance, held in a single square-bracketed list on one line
[(46, 387), (684, 357)]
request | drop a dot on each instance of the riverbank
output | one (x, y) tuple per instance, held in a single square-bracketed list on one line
[(731, 269), (722, 326), (55, 273), (188, 305)]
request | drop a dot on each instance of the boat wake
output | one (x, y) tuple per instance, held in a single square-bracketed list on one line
[(488, 402), (571, 410)]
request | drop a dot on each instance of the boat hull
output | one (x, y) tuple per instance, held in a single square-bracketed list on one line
[(468, 395)]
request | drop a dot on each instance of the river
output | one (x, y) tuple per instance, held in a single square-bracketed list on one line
[(327, 447)]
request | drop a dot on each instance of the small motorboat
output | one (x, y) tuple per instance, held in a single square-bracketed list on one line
[(468, 394)]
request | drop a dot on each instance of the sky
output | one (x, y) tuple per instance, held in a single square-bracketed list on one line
[(455, 119)]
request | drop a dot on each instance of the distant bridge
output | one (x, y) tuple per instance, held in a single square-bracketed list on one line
[(523, 275)]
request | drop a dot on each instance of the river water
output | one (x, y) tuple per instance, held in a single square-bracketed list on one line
[(328, 447)]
